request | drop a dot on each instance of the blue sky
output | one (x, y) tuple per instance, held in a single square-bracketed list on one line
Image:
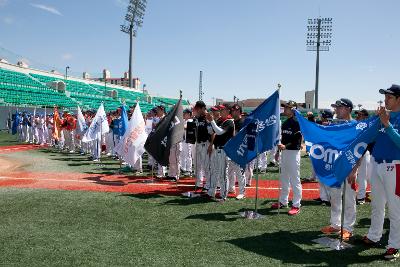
[(244, 48)]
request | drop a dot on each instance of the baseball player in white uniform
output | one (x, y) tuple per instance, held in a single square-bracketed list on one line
[(343, 108), (385, 175)]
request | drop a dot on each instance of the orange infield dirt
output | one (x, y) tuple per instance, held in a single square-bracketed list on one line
[(12, 176)]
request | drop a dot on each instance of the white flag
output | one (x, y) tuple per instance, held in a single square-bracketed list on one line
[(98, 126), (131, 146), (81, 127)]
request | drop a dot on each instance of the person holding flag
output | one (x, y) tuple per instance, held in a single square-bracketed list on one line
[(219, 161), (131, 145), (290, 160), (385, 175), (259, 133), (97, 128), (234, 170), (343, 108), (81, 128), (168, 132)]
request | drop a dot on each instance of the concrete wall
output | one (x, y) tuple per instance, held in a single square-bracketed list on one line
[(5, 111)]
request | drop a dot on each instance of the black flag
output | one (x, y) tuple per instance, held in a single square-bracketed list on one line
[(168, 132)]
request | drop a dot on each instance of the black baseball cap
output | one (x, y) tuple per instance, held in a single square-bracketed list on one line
[(363, 112), (187, 111), (393, 90), (327, 114), (343, 102), (290, 104), (200, 104), (236, 107)]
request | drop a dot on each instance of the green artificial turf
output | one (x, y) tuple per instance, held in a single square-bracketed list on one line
[(73, 228), (7, 139)]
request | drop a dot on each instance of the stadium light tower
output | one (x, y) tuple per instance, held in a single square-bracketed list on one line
[(66, 72), (133, 21), (201, 93), (319, 34)]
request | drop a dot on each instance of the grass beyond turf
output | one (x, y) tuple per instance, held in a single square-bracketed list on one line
[(70, 228)]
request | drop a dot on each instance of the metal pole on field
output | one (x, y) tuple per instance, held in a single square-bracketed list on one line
[(257, 178), (343, 208), (279, 164)]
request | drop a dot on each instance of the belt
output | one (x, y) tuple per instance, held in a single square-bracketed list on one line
[(379, 161), (202, 144), (219, 147)]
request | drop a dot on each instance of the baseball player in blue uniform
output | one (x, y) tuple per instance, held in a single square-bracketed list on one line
[(385, 175)]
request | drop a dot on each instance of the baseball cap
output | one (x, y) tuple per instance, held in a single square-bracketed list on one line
[(187, 111), (236, 107), (200, 104), (221, 107), (363, 112), (343, 102), (393, 90), (289, 104), (327, 114), (214, 108)]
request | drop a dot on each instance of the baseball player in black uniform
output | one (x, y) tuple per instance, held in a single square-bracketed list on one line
[(290, 160), (219, 161)]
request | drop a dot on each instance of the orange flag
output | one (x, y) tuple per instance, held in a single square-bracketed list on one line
[(57, 125)]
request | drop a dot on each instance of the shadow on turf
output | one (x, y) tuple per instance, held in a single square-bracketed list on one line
[(142, 196), (286, 247), (184, 201), (98, 180), (221, 217)]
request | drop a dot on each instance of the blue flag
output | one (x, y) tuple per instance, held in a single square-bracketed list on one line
[(325, 143), (123, 122), (16, 122), (260, 132), (349, 156)]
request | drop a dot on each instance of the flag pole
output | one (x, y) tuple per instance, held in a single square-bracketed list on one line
[(257, 178), (342, 215), (176, 153), (101, 137), (279, 165), (254, 214)]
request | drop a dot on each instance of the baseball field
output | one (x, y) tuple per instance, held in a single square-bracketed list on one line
[(60, 209)]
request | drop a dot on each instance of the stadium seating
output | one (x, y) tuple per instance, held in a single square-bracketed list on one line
[(31, 90)]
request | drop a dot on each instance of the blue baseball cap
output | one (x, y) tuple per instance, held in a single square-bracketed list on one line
[(393, 90)]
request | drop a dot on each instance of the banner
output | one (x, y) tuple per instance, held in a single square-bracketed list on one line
[(131, 146), (98, 126), (168, 132), (325, 143), (259, 133)]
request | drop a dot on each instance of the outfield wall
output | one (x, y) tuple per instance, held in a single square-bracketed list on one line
[(5, 111)]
